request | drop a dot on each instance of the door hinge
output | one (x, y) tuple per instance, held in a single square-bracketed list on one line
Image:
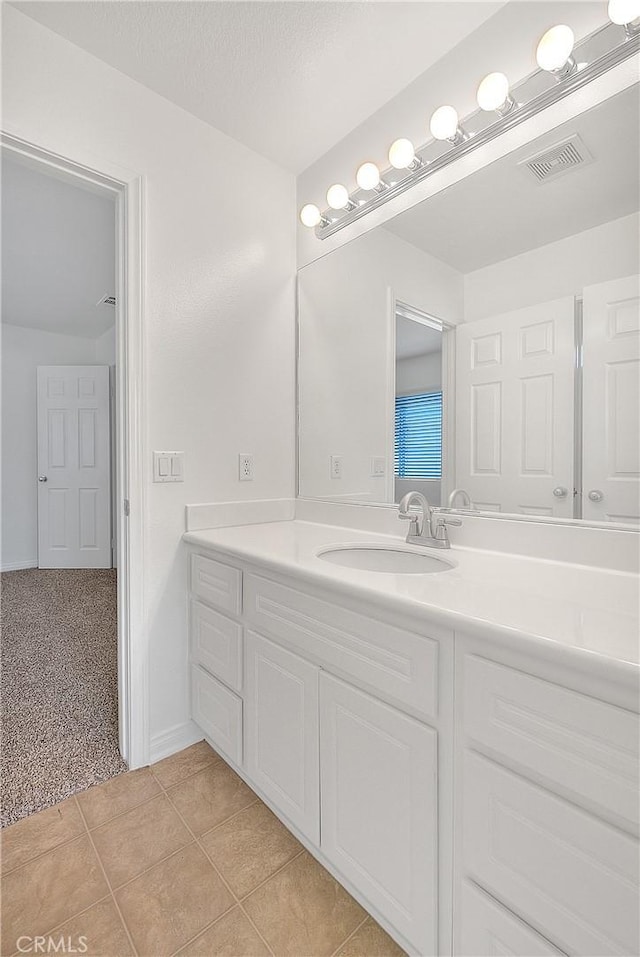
[(127, 507)]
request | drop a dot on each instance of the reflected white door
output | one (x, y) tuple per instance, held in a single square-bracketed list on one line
[(74, 502), (611, 390), (515, 410)]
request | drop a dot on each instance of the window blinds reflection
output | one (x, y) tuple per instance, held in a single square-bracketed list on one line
[(418, 440)]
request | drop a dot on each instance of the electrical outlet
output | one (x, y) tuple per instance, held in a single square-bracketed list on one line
[(378, 466), (336, 466), (245, 467)]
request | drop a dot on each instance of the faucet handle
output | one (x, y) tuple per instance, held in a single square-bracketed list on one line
[(439, 532), (416, 522)]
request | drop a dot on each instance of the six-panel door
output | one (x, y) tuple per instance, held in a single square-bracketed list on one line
[(281, 731), (379, 806), (74, 467), (514, 410)]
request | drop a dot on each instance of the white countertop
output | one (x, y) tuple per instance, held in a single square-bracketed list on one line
[(583, 610)]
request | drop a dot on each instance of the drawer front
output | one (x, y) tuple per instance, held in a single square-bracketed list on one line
[(216, 644), (218, 712), (400, 664), (585, 747), (485, 927), (570, 875), (217, 584)]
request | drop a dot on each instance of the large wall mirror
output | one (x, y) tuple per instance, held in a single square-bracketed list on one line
[(487, 338)]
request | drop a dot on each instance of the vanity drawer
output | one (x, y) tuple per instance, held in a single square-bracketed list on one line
[(218, 712), (217, 584), (488, 928), (216, 643), (400, 664), (573, 877), (585, 748)]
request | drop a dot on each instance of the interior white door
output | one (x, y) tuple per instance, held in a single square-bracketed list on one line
[(515, 410), (74, 474), (611, 396), (379, 806)]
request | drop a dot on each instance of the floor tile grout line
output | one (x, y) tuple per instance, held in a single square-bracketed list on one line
[(221, 877), (85, 827), (101, 900), (106, 877), (167, 787), (351, 935), (295, 857), (93, 827)]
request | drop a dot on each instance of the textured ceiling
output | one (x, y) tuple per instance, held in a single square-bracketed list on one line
[(501, 211), (288, 79), (58, 254)]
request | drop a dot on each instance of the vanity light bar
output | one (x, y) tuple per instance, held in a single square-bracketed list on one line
[(554, 55)]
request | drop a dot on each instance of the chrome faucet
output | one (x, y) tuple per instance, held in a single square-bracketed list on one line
[(428, 526), (460, 493)]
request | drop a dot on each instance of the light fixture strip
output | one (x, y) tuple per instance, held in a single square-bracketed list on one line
[(575, 81)]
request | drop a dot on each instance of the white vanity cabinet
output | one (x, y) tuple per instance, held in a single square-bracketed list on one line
[(546, 809), (478, 795), (332, 715)]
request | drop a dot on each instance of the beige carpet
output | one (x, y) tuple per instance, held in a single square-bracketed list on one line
[(59, 686)]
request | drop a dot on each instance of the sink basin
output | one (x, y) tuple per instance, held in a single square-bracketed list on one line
[(385, 558)]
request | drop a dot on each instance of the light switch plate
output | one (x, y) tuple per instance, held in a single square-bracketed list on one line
[(168, 466), (378, 466)]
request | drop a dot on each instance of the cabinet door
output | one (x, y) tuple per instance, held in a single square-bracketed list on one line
[(281, 706), (379, 807)]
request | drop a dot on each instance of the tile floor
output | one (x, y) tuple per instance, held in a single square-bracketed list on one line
[(180, 858)]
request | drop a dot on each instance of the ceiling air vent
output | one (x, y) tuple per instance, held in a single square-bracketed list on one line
[(561, 158), (106, 301)]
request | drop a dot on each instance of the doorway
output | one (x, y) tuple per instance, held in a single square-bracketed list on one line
[(423, 395), (76, 709)]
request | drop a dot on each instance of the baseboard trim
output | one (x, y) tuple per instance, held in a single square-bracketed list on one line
[(174, 739), (18, 566)]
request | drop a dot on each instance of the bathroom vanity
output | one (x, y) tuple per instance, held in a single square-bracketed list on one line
[(459, 748)]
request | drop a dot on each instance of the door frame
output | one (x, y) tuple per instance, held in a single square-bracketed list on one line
[(127, 188), (400, 306)]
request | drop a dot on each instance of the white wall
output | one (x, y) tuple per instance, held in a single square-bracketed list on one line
[(23, 350), (218, 304), (419, 374), (347, 351), (563, 268), (106, 347)]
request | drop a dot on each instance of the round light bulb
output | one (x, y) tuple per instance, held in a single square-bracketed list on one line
[(444, 123), (368, 176), (310, 215), (493, 92), (623, 12), (401, 154), (337, 196), (555, 48)]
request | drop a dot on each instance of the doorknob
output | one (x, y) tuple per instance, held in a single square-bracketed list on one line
[(42, 478), (560, 491), (595, 495)]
